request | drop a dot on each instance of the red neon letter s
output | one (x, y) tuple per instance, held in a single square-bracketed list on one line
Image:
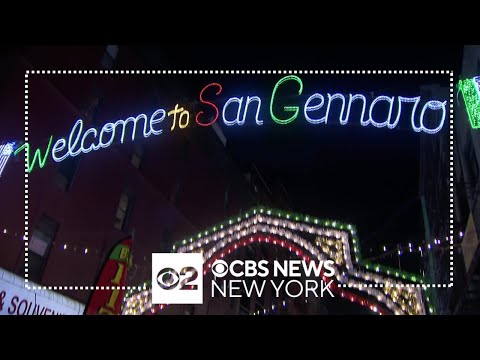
[(209, 103)]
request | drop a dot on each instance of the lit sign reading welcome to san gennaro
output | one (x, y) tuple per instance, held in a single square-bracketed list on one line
[(315, 110)]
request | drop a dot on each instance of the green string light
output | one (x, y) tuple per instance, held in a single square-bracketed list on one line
[(356, 248), (472, 100)]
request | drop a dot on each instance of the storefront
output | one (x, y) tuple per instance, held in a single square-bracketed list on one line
[(16, 299)]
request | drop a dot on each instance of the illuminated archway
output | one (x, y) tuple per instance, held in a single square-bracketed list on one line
[(382, 289)]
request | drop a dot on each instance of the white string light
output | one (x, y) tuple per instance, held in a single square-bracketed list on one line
[(305, 244)]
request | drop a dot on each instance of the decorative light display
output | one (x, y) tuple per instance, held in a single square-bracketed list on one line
[(470, 89), (293, 109), (396, 291), (370, 120), (183, 114), (203, 101), (399, 249), (432, 105), (38, 155), (78, 142), (238, 119), (5, 152)]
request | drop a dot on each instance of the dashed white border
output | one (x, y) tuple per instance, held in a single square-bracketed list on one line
[(450, 284), (26, 184), (236, 72), (231, 72)]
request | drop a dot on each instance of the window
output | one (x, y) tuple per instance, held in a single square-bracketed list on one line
[(123, 212), (109, 56), (471, 164), (137, 155), (66, 172), (39, 247), (244, 304), (226, 200)]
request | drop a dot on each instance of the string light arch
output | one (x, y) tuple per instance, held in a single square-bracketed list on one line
[(380, 288)]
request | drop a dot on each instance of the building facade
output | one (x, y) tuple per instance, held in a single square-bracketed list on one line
[(155, 189), (458, 275), (467, 147)]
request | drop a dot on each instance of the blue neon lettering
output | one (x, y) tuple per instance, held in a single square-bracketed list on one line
[(78, 140), (308, 108), (134, 120), (330, 99), (71, 147), (92, 146), (153, 121), (432, 105), (237, 119), (57, 147), (351, 99), (259, 105), (107, 128), (415, 100), (375, 123)]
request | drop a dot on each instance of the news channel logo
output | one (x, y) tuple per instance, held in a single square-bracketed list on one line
[(177, 278)]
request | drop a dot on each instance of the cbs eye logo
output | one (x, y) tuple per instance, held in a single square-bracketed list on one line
[(220, 268), (168, 278), (177, 278)]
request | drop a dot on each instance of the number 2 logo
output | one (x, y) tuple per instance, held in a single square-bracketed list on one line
[(168, 278)]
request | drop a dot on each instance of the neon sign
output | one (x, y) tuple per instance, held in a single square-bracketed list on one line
[(79, 141), (470, 89), (5, 152)]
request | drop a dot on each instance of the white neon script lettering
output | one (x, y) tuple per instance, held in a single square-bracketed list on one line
[(107, 128), (387, 122), (239, 101), (92, 146), (259, 104), (372, 121), (76, 143), (237, 120), (78, 123), (57, 147), (433, 105), (134, 120), (308, 108), (330, 99)]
